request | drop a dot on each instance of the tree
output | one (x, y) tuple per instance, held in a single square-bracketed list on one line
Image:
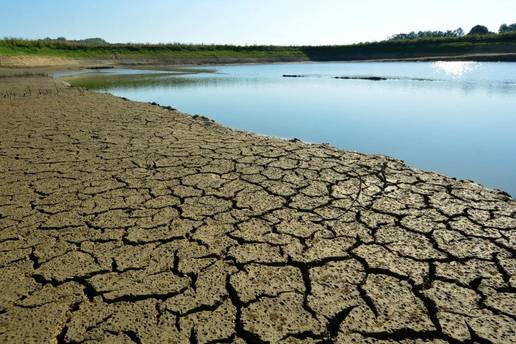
[(479, 30), (459, 32), (507, 28)]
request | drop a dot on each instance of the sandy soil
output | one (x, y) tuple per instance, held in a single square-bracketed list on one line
[(127, 222), (63, 62), (49, 61)]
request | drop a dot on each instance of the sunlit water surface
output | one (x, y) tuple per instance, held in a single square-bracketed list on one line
[(457, 118)]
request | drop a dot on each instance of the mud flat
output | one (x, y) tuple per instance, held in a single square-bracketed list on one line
[(127, 222)]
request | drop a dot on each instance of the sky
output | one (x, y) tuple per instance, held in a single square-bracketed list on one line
[(278, 22)]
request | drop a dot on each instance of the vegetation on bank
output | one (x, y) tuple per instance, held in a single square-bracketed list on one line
[(475, 30), (417, 47), (14, 47), (429, 34), (412, 45)]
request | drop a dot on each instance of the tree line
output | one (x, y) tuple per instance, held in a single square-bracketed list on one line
[(475, 30)]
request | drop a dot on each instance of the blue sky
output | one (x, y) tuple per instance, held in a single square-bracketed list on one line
[(245, 21)]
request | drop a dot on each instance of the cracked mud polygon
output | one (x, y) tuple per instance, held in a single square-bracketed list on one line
[(124, 222)]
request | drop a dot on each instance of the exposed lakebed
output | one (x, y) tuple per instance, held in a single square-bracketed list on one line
[(457, 118)]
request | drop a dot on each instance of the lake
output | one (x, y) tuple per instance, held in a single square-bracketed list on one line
[(457, 118)]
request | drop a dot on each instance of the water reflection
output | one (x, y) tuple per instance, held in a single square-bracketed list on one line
[(455, 68)]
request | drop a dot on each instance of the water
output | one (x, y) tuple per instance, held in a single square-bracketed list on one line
[(457, 118)]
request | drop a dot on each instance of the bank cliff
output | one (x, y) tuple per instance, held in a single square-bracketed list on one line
[(128, 222), (27, 61)]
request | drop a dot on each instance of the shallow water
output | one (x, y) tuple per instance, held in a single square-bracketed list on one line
[(457, 118)]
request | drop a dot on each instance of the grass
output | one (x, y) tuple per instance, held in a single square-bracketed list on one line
[(423, 47), (484, 44), (16, 47)]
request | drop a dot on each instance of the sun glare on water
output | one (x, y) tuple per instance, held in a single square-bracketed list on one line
[(455, 68)]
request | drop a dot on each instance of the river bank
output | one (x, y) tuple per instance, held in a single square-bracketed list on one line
[(20, 52), (127, 221), (59, 63)]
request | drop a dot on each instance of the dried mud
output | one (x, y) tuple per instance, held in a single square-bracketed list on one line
[(127, 222)]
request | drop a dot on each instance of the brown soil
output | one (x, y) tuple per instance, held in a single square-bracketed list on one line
[(63, 62), (49, 61), (127, 222)]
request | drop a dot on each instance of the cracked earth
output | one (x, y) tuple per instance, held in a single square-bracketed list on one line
[(125, 222)]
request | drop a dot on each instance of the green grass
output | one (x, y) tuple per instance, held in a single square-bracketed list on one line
[(493, 43), (424, 47), (16, 47)]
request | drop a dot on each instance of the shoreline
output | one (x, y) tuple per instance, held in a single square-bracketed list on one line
[(64, 83), (107, 82), (129, 221), (29, 62), (296, 140)]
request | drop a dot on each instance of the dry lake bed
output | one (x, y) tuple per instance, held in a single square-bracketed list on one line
[(127, 222)]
